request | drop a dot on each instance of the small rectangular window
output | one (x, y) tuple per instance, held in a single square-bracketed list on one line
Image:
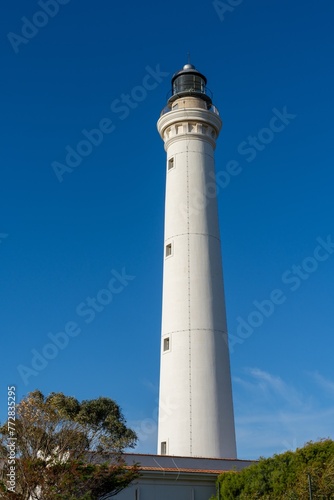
[(163, 448), (168, 249), (166, 344), (170, 163)]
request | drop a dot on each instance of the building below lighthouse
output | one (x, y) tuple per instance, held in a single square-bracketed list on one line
[(195, 402)]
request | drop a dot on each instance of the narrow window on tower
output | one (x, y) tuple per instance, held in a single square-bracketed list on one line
[(168, 250), (166, 344), (171, 163), (163, 448)]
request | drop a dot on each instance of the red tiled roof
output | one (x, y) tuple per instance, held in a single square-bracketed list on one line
[(195, 471)]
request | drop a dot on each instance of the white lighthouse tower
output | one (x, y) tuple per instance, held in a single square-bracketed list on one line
[(195, 406)]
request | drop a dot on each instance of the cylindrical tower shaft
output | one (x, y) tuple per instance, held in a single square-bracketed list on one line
[(196, 408)]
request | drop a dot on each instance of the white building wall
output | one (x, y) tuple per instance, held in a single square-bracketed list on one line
[(160, 489)]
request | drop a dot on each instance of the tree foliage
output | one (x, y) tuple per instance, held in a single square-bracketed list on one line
[(66, 450), (287, 476)]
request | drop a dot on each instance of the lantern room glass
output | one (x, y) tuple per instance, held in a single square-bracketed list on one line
[(189, 83)]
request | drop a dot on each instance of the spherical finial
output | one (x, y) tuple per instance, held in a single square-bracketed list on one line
[(188, 66)]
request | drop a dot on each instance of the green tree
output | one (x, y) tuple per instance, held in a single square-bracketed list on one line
[(284, 477), (66, 450)]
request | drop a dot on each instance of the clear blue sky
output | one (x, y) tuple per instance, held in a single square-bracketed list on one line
[(60, 242)]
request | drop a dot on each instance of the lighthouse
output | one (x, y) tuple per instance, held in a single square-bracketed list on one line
[(195, 400)]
